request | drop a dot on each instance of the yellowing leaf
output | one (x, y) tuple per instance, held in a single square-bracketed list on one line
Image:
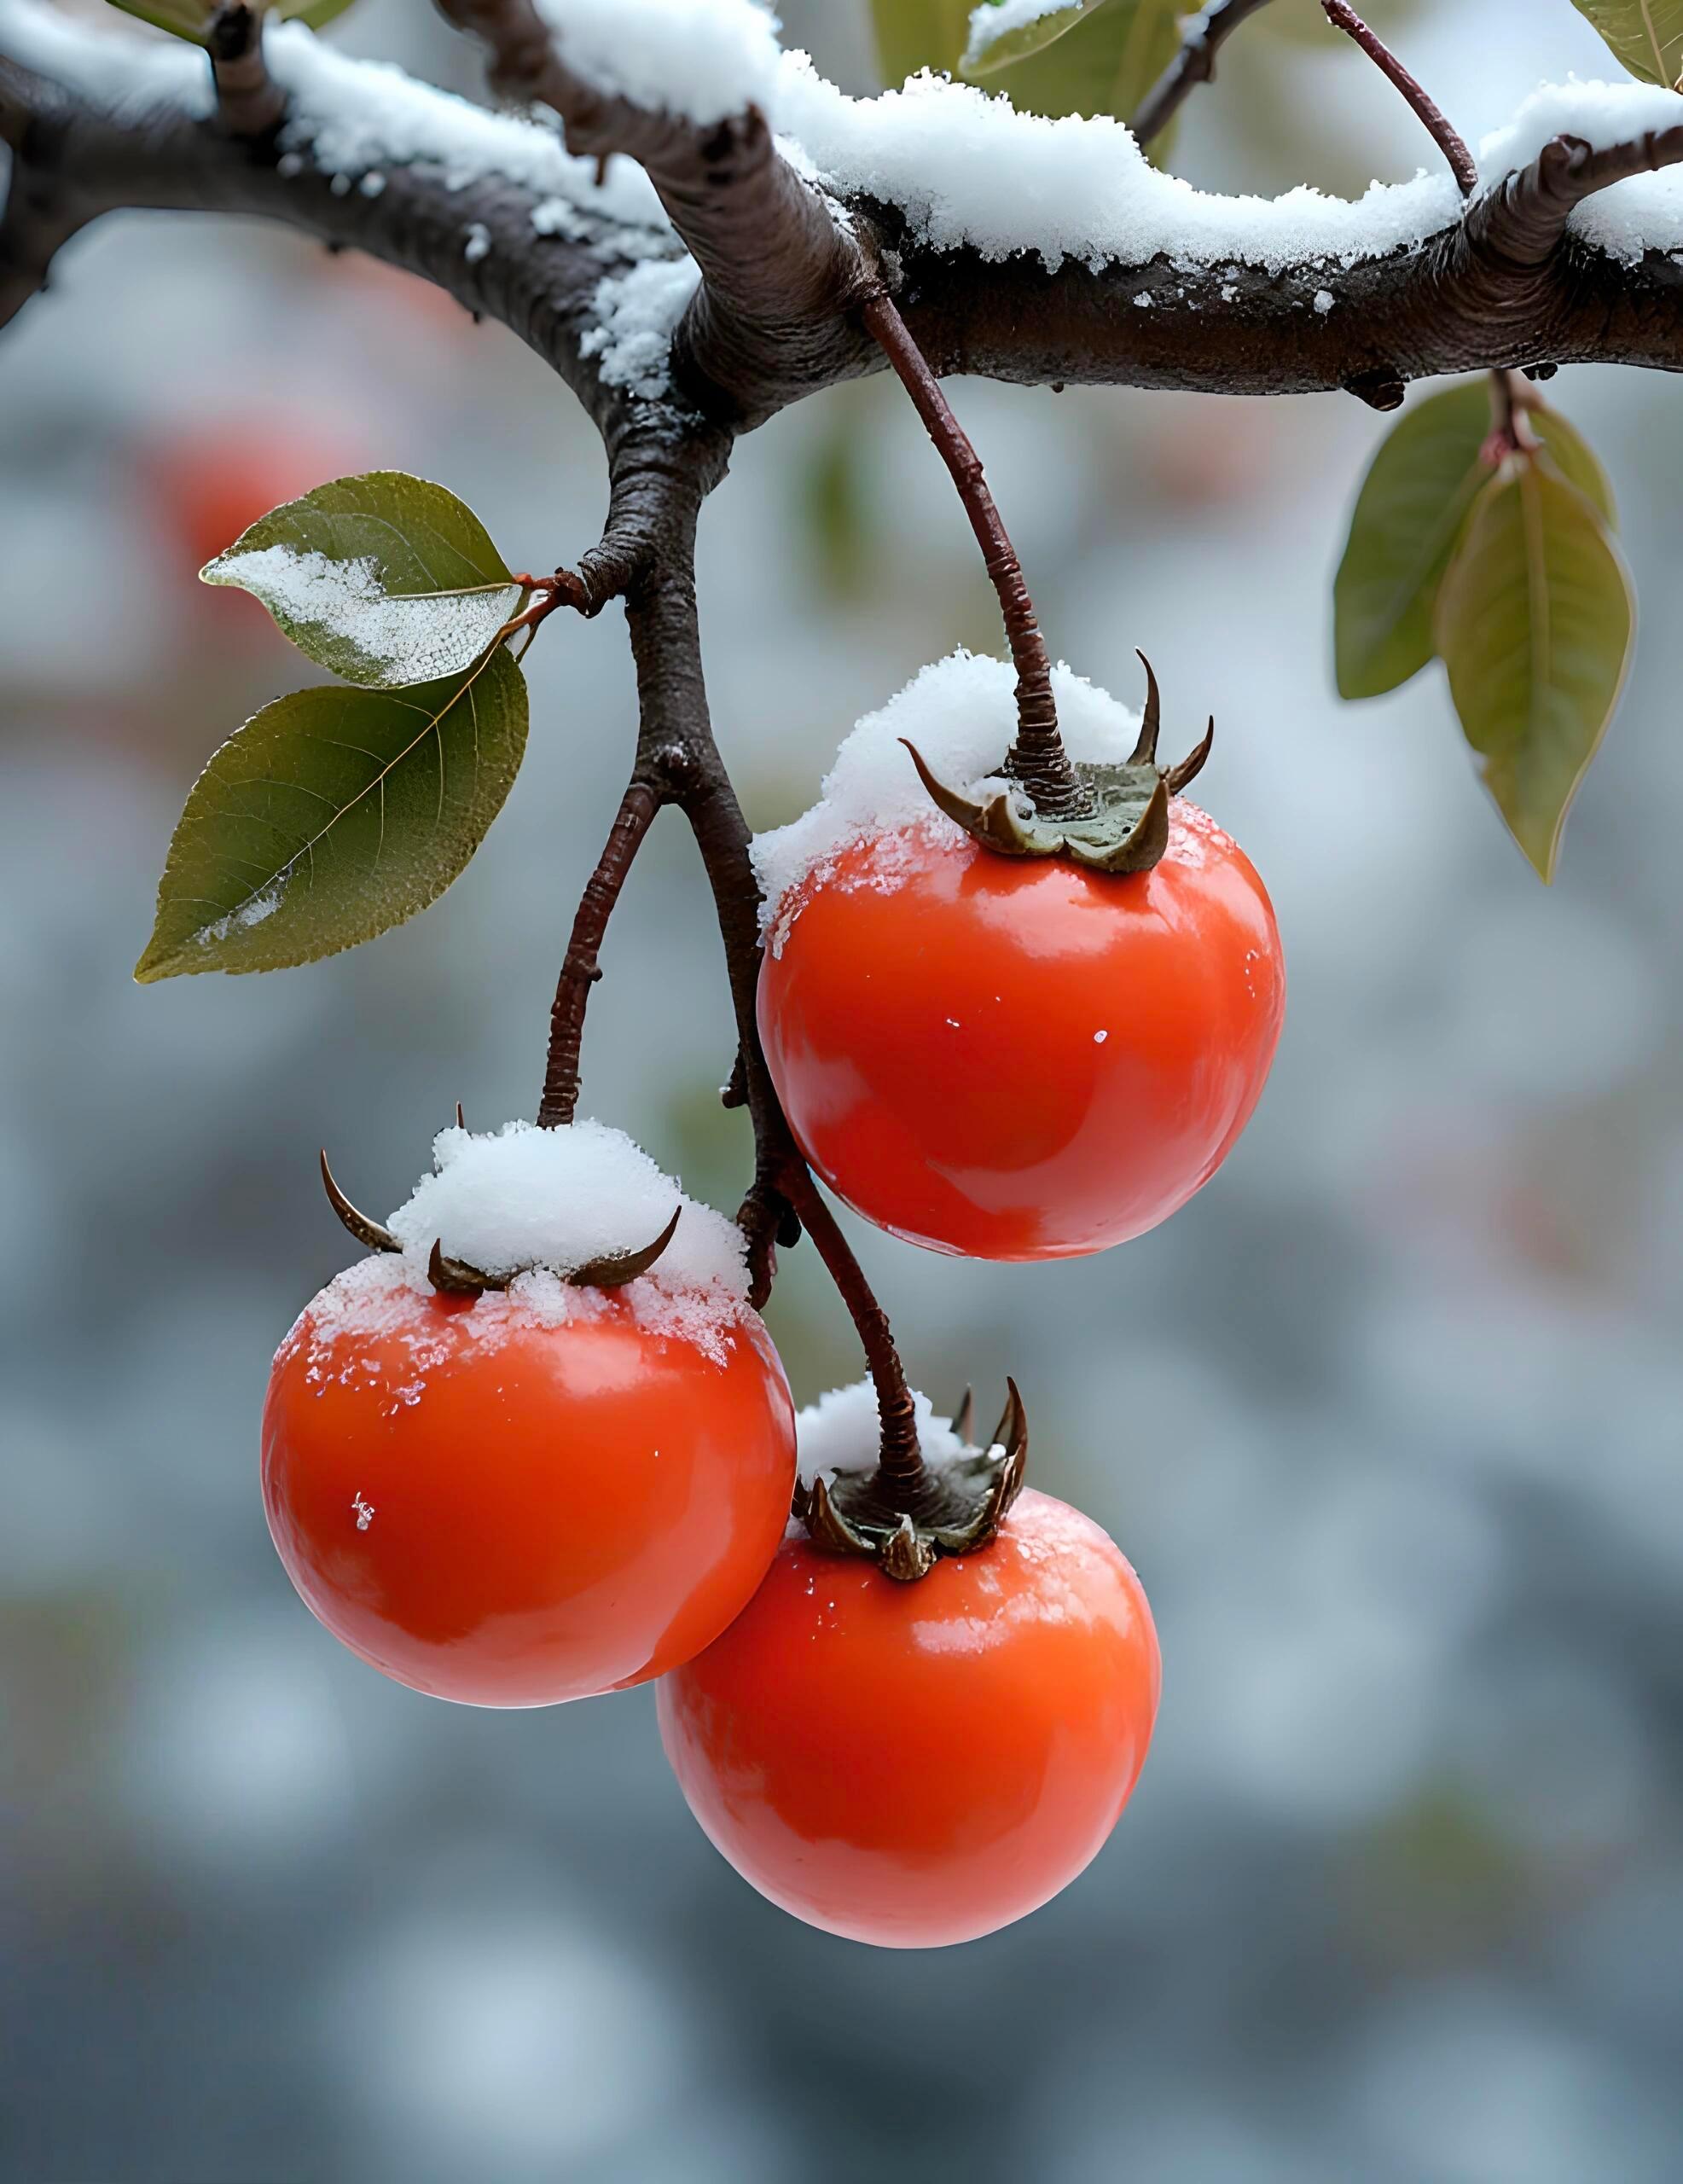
[(1414, 502), (333, 815), (1646, 35), (914, 34), (1002, 33), (1534, 621), (385, 579)]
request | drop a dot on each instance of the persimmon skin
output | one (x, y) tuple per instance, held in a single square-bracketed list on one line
[(915, 1765), (1012, 1058), (565, 1510)]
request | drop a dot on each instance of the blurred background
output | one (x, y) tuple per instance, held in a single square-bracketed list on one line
[(1400, 1896)]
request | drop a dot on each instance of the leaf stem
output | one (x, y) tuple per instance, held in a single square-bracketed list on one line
[(1037, 758)]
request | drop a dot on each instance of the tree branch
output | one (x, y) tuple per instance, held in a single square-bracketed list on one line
[(1206, 33), (779, 272)]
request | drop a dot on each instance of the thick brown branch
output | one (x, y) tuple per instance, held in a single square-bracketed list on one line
[(1462, 165), (1524, 219), (778, 271), (40, 216), (1207, 32)]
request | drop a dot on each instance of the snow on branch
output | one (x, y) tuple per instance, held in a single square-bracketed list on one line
[(1022, 247)]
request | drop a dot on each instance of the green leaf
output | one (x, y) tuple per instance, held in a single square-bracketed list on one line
[(914, 34), (385, 579), (1646, 35), (1534, 622), (1414, 502), (334, 816), (314, 13), (1103, 64), (188, 18), (998, 49)]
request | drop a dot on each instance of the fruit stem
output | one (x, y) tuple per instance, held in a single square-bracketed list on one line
[(1426, 109), (1037, 758), (900, 1464), (580, 969)]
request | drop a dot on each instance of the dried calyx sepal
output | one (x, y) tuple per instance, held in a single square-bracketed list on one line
[(905, 1516), (1124, 824), (455, 1277)]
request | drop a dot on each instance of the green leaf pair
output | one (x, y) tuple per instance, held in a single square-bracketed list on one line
[(1088, 56), (1510, 575), (191, 19), (1646, 35), (337, 813)]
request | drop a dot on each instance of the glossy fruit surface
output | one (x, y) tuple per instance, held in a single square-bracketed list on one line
[(1012, 1058), (918, 1764), (509, 1512)]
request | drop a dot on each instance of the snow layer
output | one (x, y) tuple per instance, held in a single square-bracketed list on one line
[(841, 1432), (702, 59), (965, 167), (523, 1197), (962, 713), (549, 1201), (404, 637), (636, 314)]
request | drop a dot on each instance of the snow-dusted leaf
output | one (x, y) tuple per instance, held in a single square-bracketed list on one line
[(333, 815), (1414, 502), (385, 579), (1104, 63), (914, 34), (1005, 31), (1646, 35), (1534, 621)]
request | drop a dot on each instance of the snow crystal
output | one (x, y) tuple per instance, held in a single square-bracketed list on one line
[(1323, 300), (477, 245), (962, 713), (637, 313), (992, 20), (965, 168), (253, 911), (402, 636), (702, 59), (842, 1431)]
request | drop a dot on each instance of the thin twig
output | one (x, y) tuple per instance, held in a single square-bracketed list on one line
[(580, 968), (1462, 164), (901, 1457), (249, 102), (1037, 758), (1195, 64)]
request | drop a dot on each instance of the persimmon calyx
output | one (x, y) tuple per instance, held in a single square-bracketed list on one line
[(455, 1277), (1125, 828), (905, 1526)]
